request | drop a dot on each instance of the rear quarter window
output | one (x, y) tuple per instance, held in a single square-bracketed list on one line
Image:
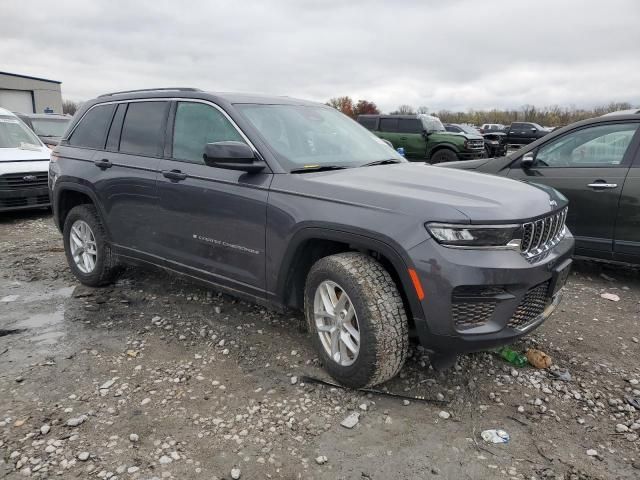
[(91, 131), (410, 125)]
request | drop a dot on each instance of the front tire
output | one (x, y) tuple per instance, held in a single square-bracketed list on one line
[(356, 319), (88, 252), (442, 156)]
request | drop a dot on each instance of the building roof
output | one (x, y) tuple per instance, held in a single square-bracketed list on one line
[(29, 77)]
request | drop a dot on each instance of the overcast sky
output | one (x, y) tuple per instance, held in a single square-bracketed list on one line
[(454, 54)]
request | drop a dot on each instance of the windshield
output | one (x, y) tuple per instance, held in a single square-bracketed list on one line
[(15, 134), (311, 136), (469, 129), (50, 127), (432, 124)]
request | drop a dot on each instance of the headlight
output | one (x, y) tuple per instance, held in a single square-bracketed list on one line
[(476, 236)]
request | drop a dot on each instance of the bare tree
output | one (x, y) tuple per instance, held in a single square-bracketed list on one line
[(404, 110), (70, 107), (423, 109)]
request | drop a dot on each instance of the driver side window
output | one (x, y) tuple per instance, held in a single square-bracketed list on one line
[(599, 146), (197, 124)]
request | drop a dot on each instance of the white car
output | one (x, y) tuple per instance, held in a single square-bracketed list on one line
[(24, 166)]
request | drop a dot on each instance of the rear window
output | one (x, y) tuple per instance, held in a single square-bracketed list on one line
[(91, 132), (143, 128), (368, 122), (389, 124)]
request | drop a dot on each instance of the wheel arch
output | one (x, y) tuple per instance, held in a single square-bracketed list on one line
[(68, 195), (312, 243), (443, 146)]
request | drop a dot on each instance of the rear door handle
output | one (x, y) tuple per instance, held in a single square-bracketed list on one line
[(602, 185), (104, 163), (176, 175)]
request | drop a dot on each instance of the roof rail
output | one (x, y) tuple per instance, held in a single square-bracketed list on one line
[(178, 89)]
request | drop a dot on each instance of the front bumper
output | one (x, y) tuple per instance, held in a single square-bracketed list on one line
[(472, 154), (480, 299), (24, 198)]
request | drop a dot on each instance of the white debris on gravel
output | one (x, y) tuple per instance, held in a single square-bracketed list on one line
[(351, 420), (610, 296), (444, 415), (235, 473), (321, 460)]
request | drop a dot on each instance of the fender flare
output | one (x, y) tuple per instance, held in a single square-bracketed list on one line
[(358, 238), (441, 146), (65, 186)]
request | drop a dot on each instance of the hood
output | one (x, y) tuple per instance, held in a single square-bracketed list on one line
[(468, 136), (14, 160), (434, 193)]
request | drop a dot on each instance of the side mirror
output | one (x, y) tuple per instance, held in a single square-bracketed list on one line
[(527, 160), (232, 156)]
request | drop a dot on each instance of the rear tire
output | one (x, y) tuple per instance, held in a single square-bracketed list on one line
[(378, 318), (444, 155), (102, 268)]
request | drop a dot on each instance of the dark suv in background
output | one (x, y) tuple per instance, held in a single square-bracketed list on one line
[(292, 204), (424, 137)]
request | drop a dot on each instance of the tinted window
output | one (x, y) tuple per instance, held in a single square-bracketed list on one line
[(91, 132), (388, 124), (143, 128), (367, 122), (196, 125), (116, 127), (410, 125), (600, 146), (451, 128)]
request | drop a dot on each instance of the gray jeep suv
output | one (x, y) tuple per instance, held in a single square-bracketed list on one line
[(291, 204)]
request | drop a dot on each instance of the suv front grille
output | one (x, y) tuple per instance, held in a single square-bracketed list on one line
[(14, 181), (475, 144), (532, 305), (24, 201), (543, 234)]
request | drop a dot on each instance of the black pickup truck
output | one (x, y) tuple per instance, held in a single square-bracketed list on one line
[(523, 133)]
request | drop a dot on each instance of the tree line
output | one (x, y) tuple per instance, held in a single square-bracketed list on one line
[(552, 116)]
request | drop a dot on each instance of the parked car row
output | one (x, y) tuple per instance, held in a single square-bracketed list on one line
[(425, 137)]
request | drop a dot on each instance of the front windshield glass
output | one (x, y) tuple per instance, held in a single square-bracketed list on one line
[(15, 134), (50, 127), (469, 129), (312, 136), (432, 124)]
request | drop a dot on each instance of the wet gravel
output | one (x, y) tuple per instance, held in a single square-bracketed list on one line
[(155, 377)]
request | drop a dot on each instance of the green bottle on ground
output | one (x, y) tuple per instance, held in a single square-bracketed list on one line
[(513, 357)]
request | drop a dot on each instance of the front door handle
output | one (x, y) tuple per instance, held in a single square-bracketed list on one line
[(103, 164), (602, 185), (176, 175)]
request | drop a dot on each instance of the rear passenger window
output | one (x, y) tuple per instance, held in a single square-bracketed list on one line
[(91, 132), (143, 128), (389, 124), (410, 125), (367, 122), (196, 125)]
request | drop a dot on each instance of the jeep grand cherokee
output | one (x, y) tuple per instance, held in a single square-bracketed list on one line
[(292, 204)]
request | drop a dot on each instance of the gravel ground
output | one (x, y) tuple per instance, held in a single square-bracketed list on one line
[(155, 377)]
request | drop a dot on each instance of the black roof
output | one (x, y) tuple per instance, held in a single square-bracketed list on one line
[(30, 77), (369, 115)]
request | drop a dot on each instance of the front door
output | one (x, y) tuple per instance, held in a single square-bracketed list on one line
[(589, 166), (212, 221)]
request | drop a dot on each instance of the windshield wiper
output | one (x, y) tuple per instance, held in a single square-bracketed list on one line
[(317, 168), (381, 162)]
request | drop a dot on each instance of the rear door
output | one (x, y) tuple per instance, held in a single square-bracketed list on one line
[(517, 133), (412, 137), (589, 166), (212, 221), (128, 166)]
